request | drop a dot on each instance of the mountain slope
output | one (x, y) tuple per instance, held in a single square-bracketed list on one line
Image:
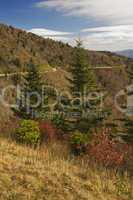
[(128, 53), (18, 47)]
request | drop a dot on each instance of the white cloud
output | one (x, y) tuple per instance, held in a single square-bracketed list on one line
[(118, 15), (43, 31), (112, 38), (120, 28), (55, 35), (114, 12)]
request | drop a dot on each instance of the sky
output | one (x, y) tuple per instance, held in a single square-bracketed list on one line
[(101, 24)]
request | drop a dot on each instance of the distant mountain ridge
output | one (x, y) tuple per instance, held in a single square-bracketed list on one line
[(128, 53)]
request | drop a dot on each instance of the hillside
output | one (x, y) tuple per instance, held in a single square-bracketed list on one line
[(59, 163), (49, 174), (128, 53), (18, 47)]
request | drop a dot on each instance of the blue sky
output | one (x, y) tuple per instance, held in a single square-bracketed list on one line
[(103, 25), (25, 14)]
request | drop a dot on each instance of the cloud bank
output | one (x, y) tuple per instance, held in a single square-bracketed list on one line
[(117, 15), (55, 35), (113, 38), (114, 12)]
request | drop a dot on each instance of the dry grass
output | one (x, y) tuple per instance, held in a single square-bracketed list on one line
[(49, 174)]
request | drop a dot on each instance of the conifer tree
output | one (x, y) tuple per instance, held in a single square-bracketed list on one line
[(82, 75), (83, 83), (31, 93)]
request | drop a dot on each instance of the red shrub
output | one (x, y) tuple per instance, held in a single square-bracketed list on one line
[(107, 151), (48, 131)]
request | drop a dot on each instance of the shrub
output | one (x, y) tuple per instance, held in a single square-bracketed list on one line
[(59, 121), (79, 142), (28, 132), (107, 151), (84, 125), (48, 131)]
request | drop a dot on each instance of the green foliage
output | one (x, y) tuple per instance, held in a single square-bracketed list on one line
[(82, 76), (83, 79), (60, 122), (28, 132), (78, 138), (85, 125), (33, 82), (44, 67), (83, 86), (79, 142), (128, 127), (31, 90), (122, 189)]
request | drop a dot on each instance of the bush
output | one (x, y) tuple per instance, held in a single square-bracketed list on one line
[(84, 125), (59, 121), (107, 151), (28, 132), (79, 142), (48, 131)]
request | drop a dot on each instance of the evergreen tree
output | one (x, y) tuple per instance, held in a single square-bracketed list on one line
[(82, 75), (31, 93), (83, 83)]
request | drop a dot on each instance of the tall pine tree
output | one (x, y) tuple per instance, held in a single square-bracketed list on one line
[(83, 84), (31, 93), (82, 75)]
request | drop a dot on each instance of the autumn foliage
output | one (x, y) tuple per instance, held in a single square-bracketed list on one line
[(107, 151), (48, 131)]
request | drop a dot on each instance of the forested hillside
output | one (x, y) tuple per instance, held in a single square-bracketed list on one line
[(18, 47), (62, 136)]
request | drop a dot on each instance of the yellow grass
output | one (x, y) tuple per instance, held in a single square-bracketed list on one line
[(48, 173)]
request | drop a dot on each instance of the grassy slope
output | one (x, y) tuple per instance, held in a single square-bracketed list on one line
[(49, 174)]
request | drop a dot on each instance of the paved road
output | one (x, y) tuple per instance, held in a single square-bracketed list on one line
[(6, 75)]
